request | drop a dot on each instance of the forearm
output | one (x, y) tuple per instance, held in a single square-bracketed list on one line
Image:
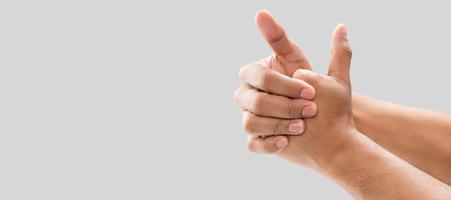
[(418, 136), (368, 171)]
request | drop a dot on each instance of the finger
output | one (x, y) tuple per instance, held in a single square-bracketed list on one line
[(285, 49), (308, 76), (341, 54), (268, 105), (270, 81), (269, 145), (266, 126)]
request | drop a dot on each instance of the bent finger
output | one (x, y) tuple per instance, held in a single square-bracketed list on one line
[(270, 81), (266, 126), (269, 105), (269, 145)]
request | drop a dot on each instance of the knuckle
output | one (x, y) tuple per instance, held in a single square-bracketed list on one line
[(249, 124), (307, 76), (318, 78), (298, 73), (347, 48), (239, 95), (344, 50), (348, 51), (278, 128), (236, 95), (266, 80), (242, 71), (258, 103), (293, 110)]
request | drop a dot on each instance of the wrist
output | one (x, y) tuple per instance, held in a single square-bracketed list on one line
[(356, 164), (358, 110), (367, 170), (344, 151), (364, 111)]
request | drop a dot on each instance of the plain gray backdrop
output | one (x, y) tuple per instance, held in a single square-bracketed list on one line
[(133, 99)]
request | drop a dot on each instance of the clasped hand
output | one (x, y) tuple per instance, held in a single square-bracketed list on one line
[(290, 110)]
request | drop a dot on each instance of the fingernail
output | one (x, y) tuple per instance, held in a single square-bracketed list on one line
[(307, 94), (281, 143), (309, 111), (296, 127)]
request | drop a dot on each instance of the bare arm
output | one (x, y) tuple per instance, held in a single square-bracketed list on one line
[(332, 143), (368, 171), (418, 136)]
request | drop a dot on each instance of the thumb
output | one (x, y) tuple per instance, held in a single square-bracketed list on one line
[(341, 53)]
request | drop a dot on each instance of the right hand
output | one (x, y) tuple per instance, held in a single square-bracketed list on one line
[(273, 103)]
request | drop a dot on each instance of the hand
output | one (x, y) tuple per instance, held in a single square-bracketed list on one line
[(332, 128), (266, 86), (272, 106), (331, 143)]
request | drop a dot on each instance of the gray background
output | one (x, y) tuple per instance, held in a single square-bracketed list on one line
[(133, 99)]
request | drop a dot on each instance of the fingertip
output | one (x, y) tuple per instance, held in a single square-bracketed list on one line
[(269, 145), (341, 53), (296, 127), (341, 25), (281, 143), (261, 15), (264, 19), (251, 145), (268, 25), (308, 93), (340, 32), (310, 111)]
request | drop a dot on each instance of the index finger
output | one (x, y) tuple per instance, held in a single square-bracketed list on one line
[(281, 44)]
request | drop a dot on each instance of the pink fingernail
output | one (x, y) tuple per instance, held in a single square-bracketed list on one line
[(307, 94), (296, 127), (309, 111), (281, 143)]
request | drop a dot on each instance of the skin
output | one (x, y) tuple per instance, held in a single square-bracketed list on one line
[(406, 131), (333, 144), (266, 85), (418, 136)]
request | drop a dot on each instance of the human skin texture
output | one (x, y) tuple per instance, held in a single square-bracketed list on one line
[(267, 90), (418, 136), (333, 146)]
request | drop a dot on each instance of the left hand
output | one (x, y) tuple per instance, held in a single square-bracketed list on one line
[(287, 58)]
